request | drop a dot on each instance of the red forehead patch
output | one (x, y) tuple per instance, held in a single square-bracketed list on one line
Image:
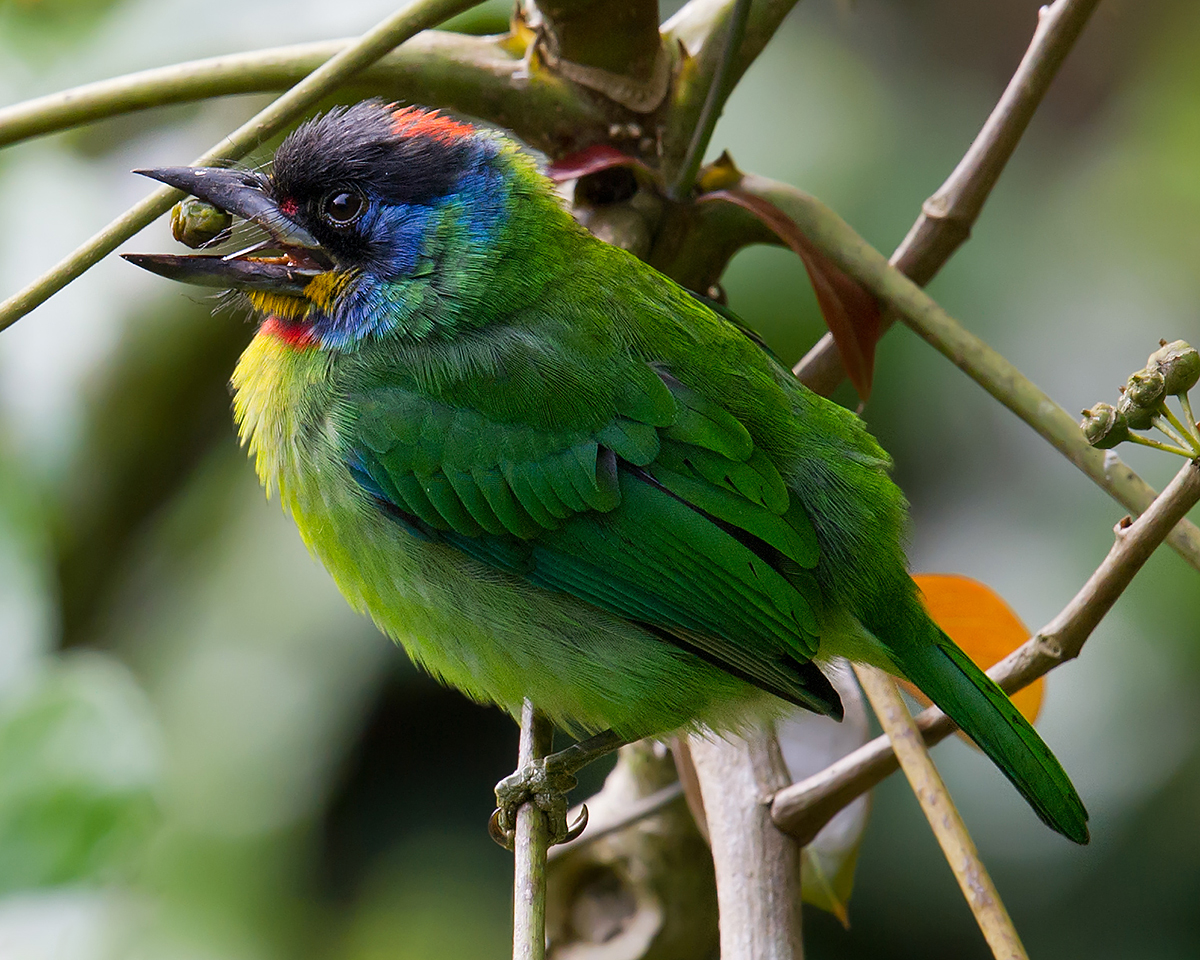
[(416, 122)]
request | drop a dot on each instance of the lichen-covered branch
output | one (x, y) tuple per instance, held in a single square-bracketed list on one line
[(804, 807)]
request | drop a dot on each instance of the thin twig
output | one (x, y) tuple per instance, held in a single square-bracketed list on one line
[(479, 76), (947, 216), (804, 808), (1159, 445), (718, 92), (530, 845), (695, 36), (637, 811), (1193, 426), (944, 819), (992, 371), (366, 50), (1184, 438)]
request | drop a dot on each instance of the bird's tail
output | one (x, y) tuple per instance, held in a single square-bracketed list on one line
[(982, 710)]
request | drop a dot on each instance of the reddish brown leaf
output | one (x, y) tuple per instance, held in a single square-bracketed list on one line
[(851, 313), (593, 159)]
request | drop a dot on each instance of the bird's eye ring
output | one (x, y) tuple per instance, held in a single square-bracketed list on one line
[(343, 205)]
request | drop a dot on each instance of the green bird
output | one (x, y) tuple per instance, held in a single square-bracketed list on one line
[(549, 471)]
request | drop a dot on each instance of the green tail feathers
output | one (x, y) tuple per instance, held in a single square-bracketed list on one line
[(952, 680)]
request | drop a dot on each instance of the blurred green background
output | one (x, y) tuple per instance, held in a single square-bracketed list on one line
[(205, 755)]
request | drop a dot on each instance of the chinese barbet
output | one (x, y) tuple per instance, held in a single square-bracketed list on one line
[(548, 470)]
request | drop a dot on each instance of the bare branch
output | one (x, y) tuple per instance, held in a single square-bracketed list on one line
[(480, 76), (757, 866), (944, 819), (984, 365), (804, 807), (698, 32), (366, 50), (718, 91), (529, 847), (947, 216)]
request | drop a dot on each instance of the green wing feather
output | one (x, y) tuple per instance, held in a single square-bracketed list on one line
[(664, 514), (984, 712)]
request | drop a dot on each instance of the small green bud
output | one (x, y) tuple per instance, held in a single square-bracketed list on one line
[(1104, 426), (1179, 363), (197, 223), (1136, 417), (1146, 389)]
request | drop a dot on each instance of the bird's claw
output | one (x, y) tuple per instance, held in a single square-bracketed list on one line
[(547, 790)]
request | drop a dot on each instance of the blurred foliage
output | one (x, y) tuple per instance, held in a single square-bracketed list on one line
[(241, 768), (78, 772), (182, 360)]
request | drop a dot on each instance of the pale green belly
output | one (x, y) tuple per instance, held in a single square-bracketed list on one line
[(496, 637), (500, 639)]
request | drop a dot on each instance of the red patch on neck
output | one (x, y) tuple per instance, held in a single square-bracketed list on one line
[(293, 333), (416, 122)]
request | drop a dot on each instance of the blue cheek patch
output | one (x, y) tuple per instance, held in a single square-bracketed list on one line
[(483, 194), (400, 232), (401, 288)]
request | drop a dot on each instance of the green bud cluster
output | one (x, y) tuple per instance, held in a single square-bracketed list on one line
[(1104, 426), (1179, 365), (1171, 371)]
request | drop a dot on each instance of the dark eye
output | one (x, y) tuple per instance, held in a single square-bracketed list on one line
[(343, 206)]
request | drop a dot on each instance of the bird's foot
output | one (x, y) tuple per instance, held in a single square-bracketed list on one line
[(545, 784)]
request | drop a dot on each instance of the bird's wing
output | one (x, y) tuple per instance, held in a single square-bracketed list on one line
[(649, 501)]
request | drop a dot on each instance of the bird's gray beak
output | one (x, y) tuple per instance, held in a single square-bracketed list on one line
[(298, 258)]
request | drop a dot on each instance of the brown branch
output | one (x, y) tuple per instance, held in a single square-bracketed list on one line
[(530, 845), (947, 216), (757, 866), (858, 259), (803, 808), (944, 819)]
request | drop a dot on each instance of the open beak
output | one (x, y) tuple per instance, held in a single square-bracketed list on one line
[(297, 257)]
